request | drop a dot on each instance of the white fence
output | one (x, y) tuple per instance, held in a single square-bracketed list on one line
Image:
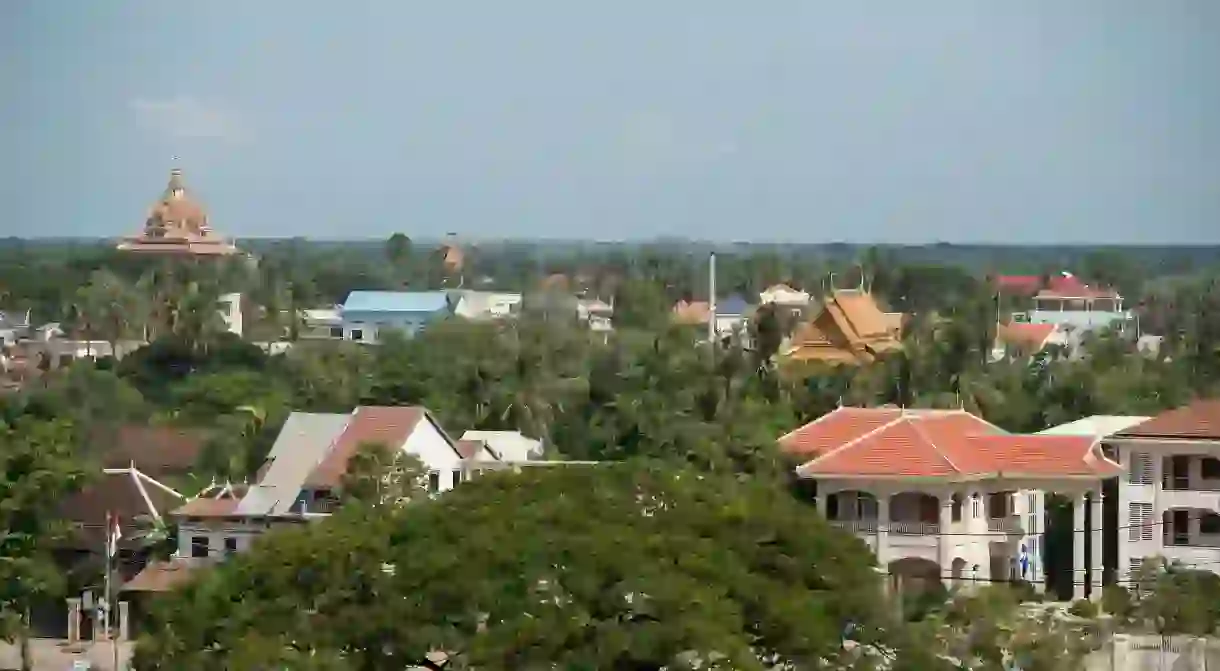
[(1156, 653)]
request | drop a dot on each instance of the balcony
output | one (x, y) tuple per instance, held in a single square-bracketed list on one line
[(1010, 524), (914, 528), (856, 526)]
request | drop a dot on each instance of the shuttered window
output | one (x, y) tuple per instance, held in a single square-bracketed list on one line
[(1140, 471), (1141, 527)]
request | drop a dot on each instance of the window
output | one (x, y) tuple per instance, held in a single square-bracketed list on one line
[(434, 482), (1140, 522), (199, 546), (1033, 504), (974, 506), (1211, 468), (357, 334), (457, 476), (956, 513), (1140, 471), (336, 331), (230, 545), (1209, 524)]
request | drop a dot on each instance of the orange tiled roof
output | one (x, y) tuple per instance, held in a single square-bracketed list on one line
[(160, 576), (692, 312), (949, 444), (207, 507), (370, 424), (1198, 420), (1028, 337)]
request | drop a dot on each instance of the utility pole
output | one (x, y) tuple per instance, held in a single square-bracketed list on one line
[(711, 298)]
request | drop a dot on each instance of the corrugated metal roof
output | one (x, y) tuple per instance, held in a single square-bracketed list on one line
[(303, 443), (395, 301), (1097, 426)]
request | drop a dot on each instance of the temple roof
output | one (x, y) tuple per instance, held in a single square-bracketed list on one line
[(850, 328), (177, 224)]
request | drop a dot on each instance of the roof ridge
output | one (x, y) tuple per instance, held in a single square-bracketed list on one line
[(935, 447), (854, 441)]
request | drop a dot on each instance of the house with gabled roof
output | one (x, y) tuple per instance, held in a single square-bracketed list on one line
[(945, 496), (850, 328), (1169, 490), (302, 476)]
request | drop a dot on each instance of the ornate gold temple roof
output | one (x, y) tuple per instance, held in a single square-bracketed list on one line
[(178, 224)]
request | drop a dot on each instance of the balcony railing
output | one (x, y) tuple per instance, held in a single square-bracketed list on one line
[(1010, 524), (1181, 484), (856, 526), (915, 528)]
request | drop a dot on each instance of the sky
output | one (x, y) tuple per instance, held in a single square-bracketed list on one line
[(1040, 121)]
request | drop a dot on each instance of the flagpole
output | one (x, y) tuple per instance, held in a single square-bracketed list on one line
[(106, 608)]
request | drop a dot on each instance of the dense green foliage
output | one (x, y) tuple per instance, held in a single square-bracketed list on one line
[(650, 392), (604, 567)]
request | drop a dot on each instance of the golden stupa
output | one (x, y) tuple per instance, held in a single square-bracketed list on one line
[(177, 225)]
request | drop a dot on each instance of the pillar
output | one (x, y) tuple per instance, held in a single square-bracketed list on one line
[(1097, 559), (821, 503), (124, 620), (883, 530), (73, 621), (945, 554), (1078, 559)]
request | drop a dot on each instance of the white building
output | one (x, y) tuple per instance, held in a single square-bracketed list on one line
[(785, 296), (1068, 302), (322, 323), (942, 495), (505, 446), (487, 304), (1169, 492), (229, 307)]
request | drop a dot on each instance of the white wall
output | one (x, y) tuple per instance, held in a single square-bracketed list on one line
[(216, 532), (427, 444)]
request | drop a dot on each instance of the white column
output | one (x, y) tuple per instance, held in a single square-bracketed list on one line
[(73, 621), (1096, 560), (945, 555), (883, 530), (1122, 564), (1078, 560), (821, 498)]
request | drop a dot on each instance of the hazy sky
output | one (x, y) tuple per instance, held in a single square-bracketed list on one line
[(941, 120)]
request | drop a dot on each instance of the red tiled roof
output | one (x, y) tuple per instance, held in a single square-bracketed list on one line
[(692, 312), (161, 576), (1198, 420), (155, 450), (208, 507), (1029, 337), (1018, 284), (1069, 286), (889, 442), (370, 424), (836, 428)]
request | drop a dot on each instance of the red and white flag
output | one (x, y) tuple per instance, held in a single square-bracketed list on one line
[(113, 535)]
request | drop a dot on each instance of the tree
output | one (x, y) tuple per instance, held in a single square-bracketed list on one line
[(624, 566), (377, 475), (398, 249), (36, 458)]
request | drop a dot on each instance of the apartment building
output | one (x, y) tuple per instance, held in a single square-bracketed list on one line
[(1169, 491), (943, 495)]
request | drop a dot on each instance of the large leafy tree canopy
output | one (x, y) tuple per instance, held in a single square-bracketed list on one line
[(625, 566)]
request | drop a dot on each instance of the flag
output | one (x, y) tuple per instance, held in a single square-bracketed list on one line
[(113, 535)]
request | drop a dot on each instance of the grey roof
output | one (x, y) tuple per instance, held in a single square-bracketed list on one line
[(302, 444)]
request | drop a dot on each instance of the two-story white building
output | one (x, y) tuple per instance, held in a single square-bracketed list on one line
[(942, 495), (1169, 493)]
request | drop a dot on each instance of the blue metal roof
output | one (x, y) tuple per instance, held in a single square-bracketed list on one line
[(733, 305), (395, 301)]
